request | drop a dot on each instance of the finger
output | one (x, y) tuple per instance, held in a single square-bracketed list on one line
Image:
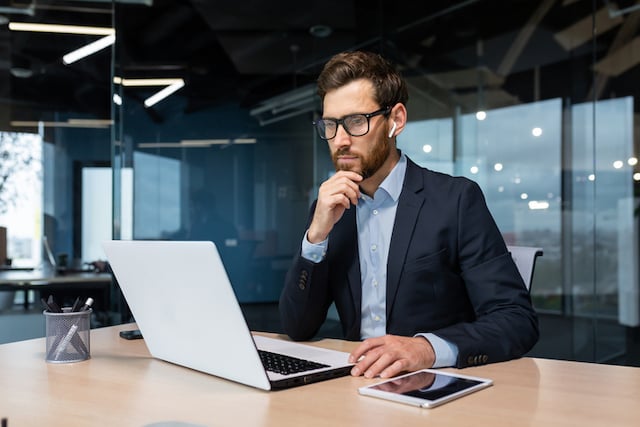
[(353, 176), (380, 364), (363, 348), (394, 369)]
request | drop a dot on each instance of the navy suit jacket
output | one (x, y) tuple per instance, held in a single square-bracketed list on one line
[(448, 273)]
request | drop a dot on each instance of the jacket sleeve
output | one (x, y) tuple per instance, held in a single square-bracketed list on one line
[(305, 298), (506, 325)]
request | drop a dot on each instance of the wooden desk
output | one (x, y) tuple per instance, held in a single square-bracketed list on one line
[(122, 386)]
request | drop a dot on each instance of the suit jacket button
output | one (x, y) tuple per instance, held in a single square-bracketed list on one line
[(304, 274), (470, 360), (485, 358)]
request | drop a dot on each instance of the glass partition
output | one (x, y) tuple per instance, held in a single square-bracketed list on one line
[(526, 98)]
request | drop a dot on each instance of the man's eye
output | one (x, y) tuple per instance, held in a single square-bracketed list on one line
[(357, 121)]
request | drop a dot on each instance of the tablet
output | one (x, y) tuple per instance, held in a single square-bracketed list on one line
[(425, 388)]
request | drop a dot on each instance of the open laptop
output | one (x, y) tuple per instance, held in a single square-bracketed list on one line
[(181, 298)]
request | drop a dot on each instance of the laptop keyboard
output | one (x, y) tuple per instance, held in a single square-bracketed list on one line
[(285, 365)]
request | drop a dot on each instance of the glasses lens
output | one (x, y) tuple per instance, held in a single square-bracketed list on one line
[(356, 125), (326, 128)]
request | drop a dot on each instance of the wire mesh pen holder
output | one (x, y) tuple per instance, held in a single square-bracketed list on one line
[(67, 336)]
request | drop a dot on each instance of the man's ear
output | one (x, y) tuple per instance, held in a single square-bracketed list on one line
[(399, 117)]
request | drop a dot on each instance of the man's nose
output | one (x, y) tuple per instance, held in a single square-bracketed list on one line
[(342, 137)]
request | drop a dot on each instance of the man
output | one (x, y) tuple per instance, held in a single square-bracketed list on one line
[(412, 258)]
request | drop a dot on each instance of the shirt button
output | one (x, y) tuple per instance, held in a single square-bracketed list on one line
[(375, 211), (374, 248), (374, 282), (376, 318)]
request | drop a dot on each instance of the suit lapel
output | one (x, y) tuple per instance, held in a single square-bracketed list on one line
[(353, 271), (409, 205)]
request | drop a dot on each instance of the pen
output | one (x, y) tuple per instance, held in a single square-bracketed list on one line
[(53, 306), (76, 305), (87, 304), (65, 341)]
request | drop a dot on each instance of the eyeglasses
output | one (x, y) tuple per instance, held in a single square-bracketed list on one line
[(354, 124)]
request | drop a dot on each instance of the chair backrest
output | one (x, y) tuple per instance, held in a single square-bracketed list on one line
[(525, 259)]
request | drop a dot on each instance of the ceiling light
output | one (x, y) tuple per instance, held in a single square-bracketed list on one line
[(320, 31), (153, 99), (538, 205), (204, 142), (536, 131), (65, 29), (89, 49), (145, 82), (71, 123), (245, 141), (160, 145), (481, 115)]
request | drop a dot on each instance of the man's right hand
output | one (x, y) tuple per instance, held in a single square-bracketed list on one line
[(334, 196)]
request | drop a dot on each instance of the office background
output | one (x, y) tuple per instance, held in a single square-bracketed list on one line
[(537, 101)]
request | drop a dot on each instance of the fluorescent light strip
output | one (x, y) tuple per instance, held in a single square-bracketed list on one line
[(65, 29), (71, 123), (204, 142), (146, 82), (153, 99), (197, 143), (160, 145), (89, 49)]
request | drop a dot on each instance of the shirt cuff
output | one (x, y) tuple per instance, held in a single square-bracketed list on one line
[(314, 252), (445, 351)]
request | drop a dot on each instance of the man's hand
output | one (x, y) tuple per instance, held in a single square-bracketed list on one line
[(334, 196), (390, 355)]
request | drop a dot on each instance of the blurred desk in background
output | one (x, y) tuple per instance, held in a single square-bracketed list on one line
[(63, 286)]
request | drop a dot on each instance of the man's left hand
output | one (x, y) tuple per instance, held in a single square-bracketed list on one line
[(390, 355)]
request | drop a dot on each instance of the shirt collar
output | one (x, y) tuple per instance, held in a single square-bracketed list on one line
[(392, 184)]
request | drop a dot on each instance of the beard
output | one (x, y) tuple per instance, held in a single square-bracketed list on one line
[(370, 162)]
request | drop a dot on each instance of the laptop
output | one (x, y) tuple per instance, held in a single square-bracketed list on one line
[(182, 300)]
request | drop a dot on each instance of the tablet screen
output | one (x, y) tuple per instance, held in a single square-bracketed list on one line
[(427, 385), (426, 388)]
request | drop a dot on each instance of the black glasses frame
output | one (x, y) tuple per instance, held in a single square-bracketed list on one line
[(321, 127)]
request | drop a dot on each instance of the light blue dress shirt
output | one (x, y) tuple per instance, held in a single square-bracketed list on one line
[(375, 217)]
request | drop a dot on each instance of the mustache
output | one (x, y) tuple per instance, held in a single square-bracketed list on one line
[(343, 151)]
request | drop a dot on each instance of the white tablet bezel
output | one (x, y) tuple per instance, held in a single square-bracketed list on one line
[(370, 390)]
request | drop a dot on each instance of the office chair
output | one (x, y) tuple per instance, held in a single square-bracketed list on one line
[(525, 259)]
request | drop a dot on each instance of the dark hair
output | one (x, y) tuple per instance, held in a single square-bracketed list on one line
[(389, 86)]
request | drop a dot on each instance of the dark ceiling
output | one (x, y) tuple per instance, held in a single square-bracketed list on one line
[(247, 51)]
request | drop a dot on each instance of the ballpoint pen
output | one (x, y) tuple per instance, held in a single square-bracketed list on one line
[(76, 305), (53, 306)]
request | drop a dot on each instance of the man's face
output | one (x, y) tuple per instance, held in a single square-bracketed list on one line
[(361, 154)]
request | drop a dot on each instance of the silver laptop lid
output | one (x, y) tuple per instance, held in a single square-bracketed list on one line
[(182, 301)]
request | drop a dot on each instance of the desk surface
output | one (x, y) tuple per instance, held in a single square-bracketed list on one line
[(121, 385)]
